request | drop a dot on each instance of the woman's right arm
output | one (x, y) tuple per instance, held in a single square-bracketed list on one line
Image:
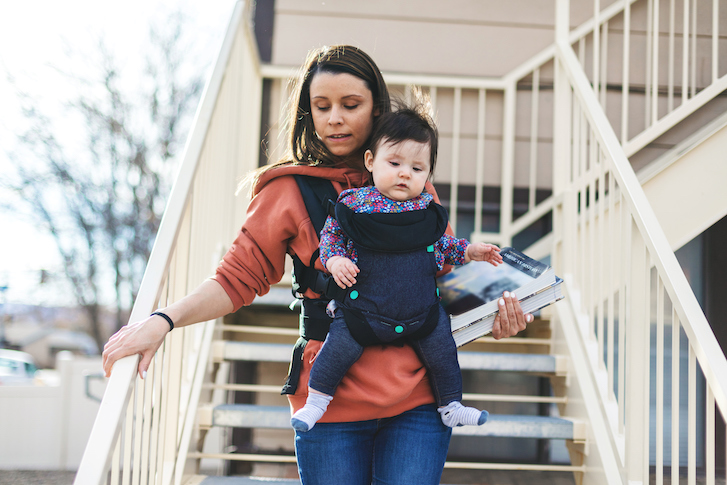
[(207, 302), (255, 260)]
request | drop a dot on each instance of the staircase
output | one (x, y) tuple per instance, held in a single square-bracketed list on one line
[(637, 381), (270, 347)]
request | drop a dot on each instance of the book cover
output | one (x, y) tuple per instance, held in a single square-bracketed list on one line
[(470, 292), (475, 329)]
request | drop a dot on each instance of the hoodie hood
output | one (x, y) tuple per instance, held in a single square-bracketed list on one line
[(344, 175)]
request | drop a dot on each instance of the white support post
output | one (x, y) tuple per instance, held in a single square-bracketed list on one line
[(685, 52), (715, 40), (693, 82), (647, 65), (480, 161), (675, 386), (596, 47), (672, 60), (637, 360), (454, 183), (659, 381), (655, 67), (508, 162), (534, 105), (625, 75), (562, 119)]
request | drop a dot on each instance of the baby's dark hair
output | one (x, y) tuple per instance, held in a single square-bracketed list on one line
[(406, 123)]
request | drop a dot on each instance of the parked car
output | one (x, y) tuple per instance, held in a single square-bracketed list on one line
[(16, 367)]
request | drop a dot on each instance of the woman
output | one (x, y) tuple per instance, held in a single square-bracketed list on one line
[(383, 424)]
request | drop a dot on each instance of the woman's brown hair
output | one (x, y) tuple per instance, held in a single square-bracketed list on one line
[(304, 147)]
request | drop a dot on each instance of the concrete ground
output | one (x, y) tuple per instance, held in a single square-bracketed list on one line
[(36, 477)]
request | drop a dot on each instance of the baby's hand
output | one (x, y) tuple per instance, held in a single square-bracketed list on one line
[(343, 270), (483, 252)]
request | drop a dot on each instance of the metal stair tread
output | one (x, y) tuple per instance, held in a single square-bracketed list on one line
[(490, 361), (502, 425)]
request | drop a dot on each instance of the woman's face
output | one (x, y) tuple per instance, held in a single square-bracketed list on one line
[(342, 108)]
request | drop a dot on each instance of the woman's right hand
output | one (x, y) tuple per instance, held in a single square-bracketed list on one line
[(143, 338)]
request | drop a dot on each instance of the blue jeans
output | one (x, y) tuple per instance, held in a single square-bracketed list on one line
[(408, 449)]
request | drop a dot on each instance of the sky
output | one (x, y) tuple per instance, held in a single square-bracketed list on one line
[(34, 36)]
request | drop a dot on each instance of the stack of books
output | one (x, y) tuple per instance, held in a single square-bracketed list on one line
[(470, 292)]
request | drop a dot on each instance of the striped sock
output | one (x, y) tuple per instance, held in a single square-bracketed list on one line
[(307, 416), (454, 414)]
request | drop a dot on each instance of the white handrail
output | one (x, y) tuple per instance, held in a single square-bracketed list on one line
[(705, 344), (96, 460), (604, 186)]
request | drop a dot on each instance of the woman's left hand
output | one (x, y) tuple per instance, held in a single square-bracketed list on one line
[(510, 318)]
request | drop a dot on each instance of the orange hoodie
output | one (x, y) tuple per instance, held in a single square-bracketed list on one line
[(386, 380)]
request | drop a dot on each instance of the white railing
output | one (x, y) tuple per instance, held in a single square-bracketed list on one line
[(665, 63), (495, 176), (630, 313), (144, 427)]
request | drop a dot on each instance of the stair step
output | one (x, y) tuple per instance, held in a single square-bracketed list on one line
[(506, 426), (487, 361)]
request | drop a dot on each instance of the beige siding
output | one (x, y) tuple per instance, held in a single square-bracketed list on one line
[(464, 37)]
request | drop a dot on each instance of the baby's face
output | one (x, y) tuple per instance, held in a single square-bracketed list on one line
[(399, 171)]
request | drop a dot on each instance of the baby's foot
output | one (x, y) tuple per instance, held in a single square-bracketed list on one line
[(315, 407), (455, 414)]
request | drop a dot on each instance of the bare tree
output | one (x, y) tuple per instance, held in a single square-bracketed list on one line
[(102, 201)]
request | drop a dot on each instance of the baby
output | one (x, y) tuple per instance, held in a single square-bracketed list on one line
[(384, 247)]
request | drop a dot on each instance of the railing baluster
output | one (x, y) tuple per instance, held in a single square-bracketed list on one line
[(625, 219), (156, 427), (508, 161), (534, 105), (115, 473), (648, 62), (694, 48), (659, 381), (671, 60), (592, 179), (604, 65), (596, 47), (655, 67), (685, 52), (646, 365), (480, 162), (715, 40), (128, 436), (692, 419), (148, 402), (454, 184), (637, 343), (625, 75), (611, 278), (709, 440), (600, 192), (584, 211), (675, 386), (138, 422)]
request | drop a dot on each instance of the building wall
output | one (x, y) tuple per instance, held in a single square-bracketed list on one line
[(459, 37)]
